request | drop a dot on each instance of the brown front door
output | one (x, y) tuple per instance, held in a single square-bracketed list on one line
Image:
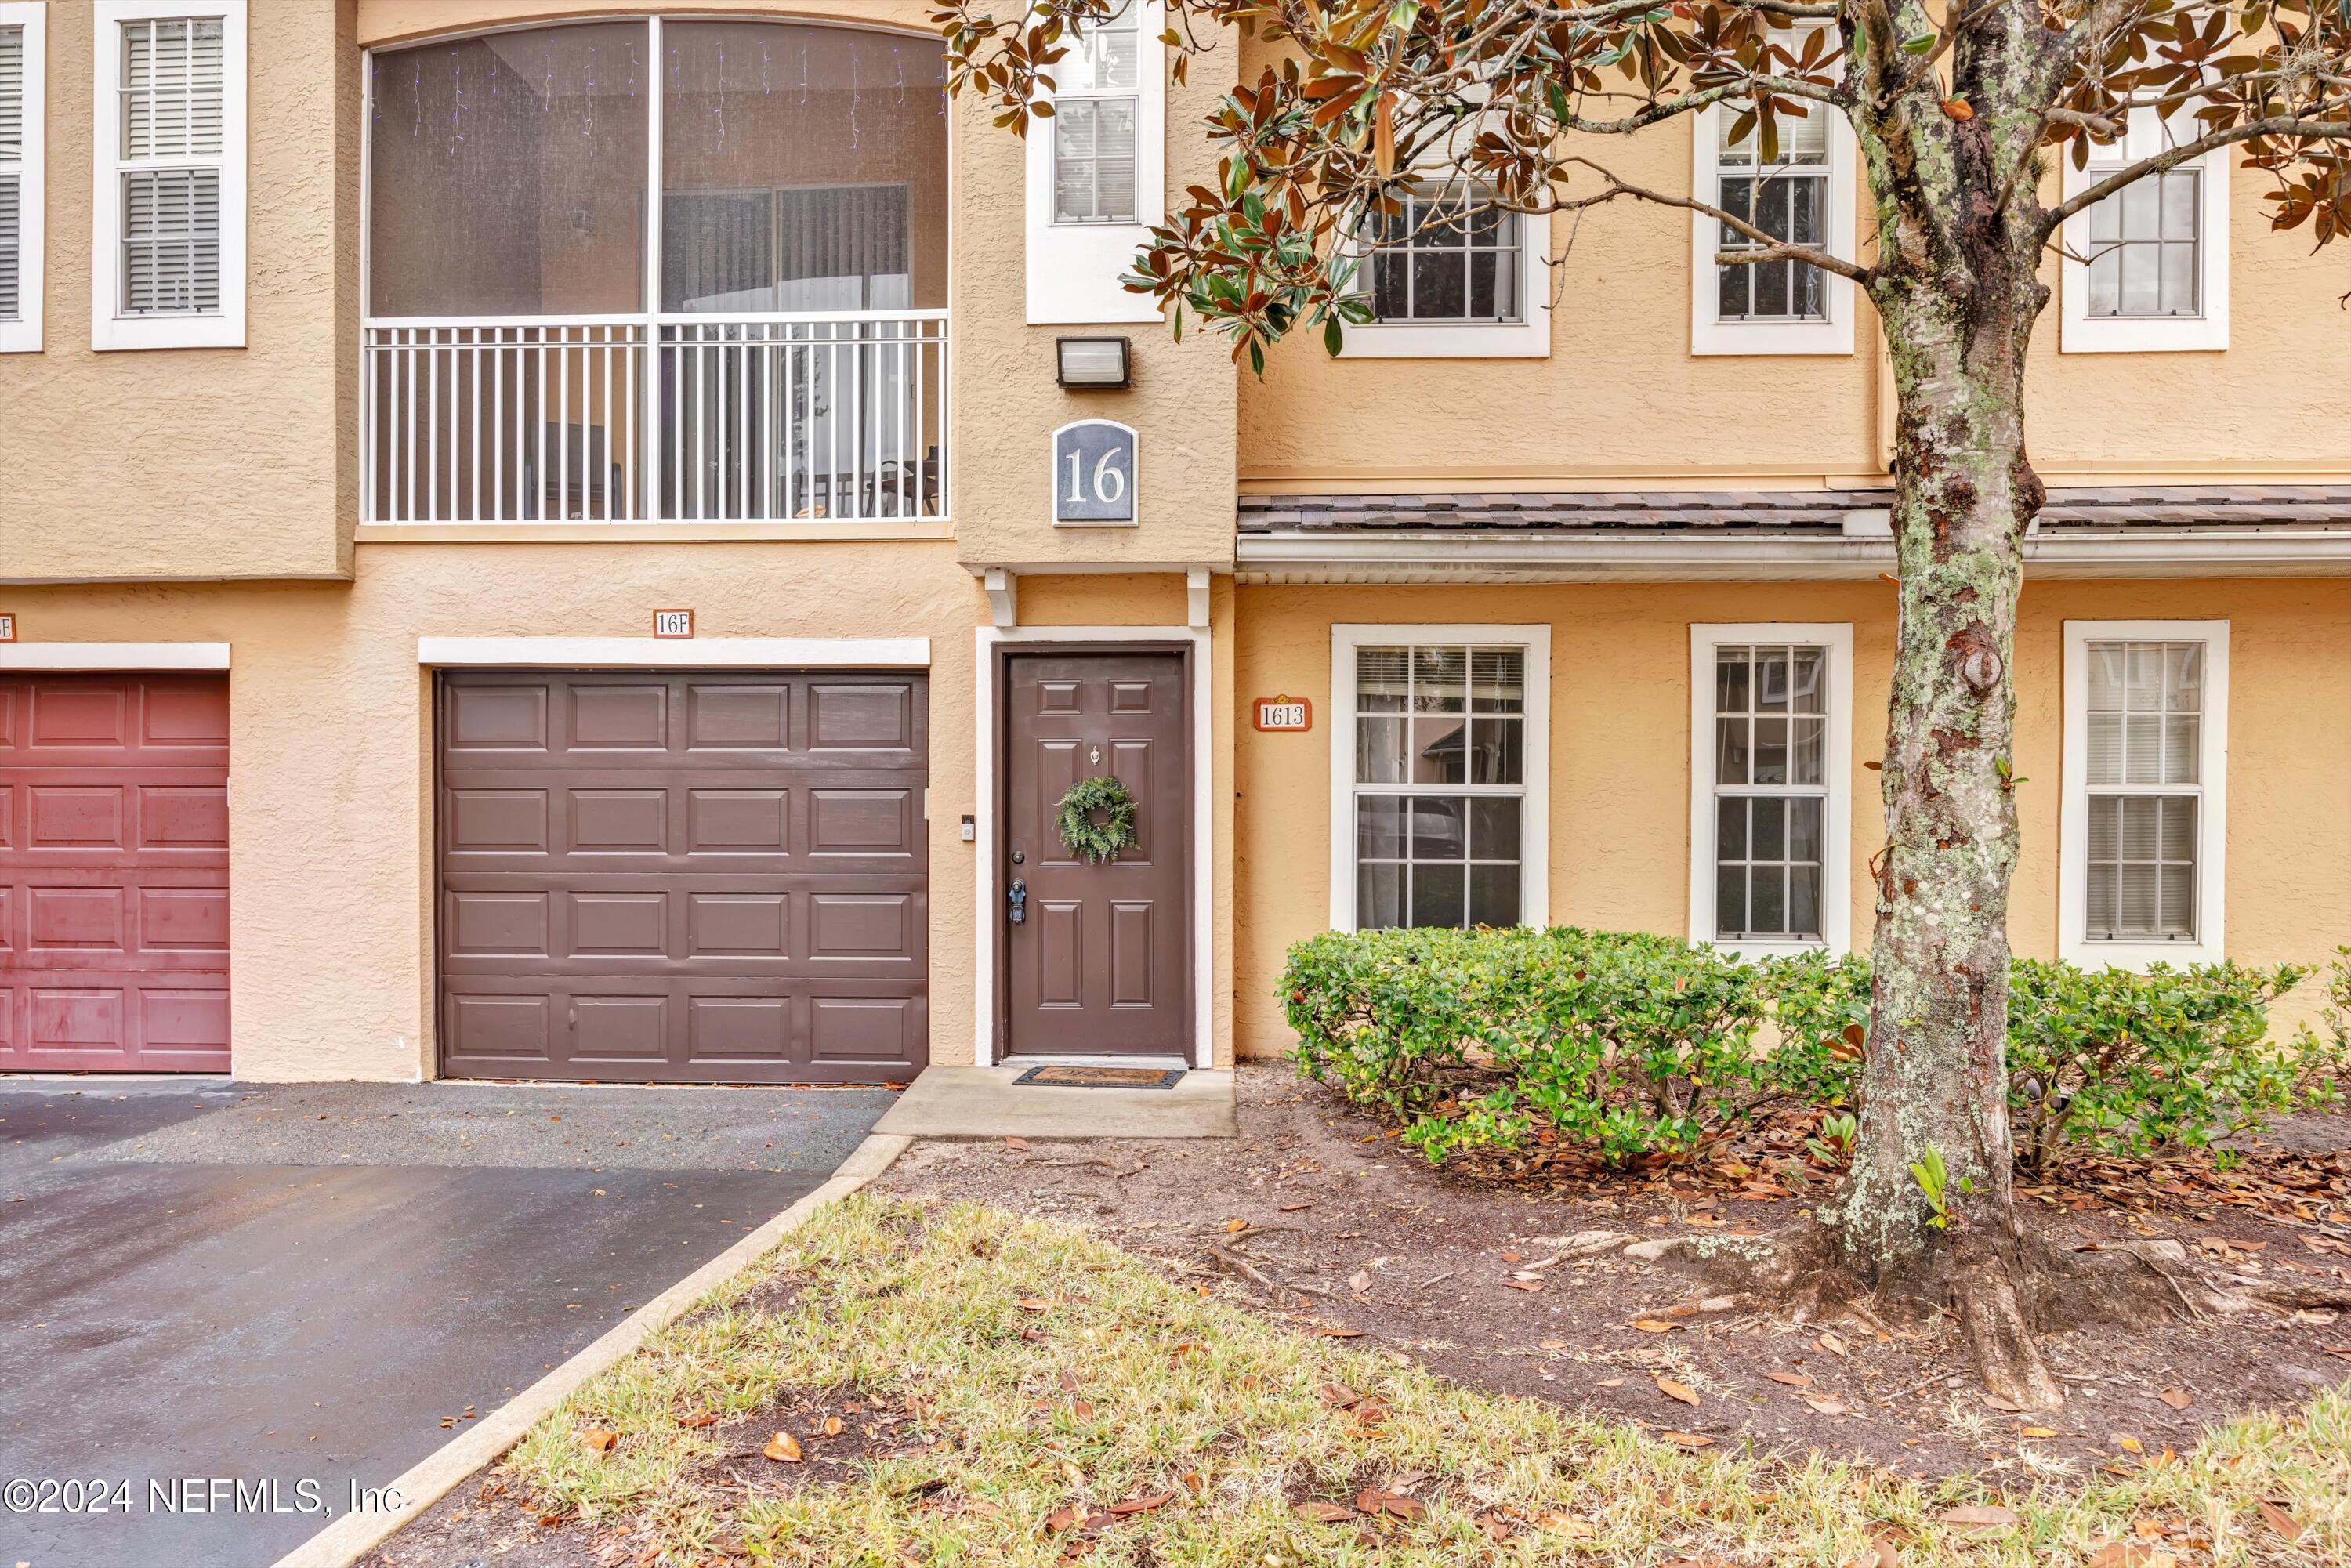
[(114, 873), (1100, 963), (712, 876)]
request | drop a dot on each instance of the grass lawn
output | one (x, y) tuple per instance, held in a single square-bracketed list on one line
[(1012, 1392)]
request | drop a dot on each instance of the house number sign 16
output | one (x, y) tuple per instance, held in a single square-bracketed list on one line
[(1093, 473)]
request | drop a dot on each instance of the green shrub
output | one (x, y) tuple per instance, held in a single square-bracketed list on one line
[(2128, 1064), (1633, 1045), (1630, 1043)]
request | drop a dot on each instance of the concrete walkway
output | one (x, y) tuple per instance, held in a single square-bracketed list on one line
[(294, 1287), (984, 1102)]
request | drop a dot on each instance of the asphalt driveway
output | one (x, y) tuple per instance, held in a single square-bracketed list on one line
[(300, 1287)]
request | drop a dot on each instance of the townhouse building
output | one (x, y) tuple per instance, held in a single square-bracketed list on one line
[(589, 542)]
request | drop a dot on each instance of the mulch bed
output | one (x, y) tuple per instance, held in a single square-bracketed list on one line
[(1316, 1214)]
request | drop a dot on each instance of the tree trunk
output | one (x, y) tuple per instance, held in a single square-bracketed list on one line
[(1935, 1085)]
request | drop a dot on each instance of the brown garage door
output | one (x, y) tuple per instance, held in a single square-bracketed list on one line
[(114, 873), (672, 877)]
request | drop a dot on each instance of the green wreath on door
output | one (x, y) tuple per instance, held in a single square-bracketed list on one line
[(1090, 840)]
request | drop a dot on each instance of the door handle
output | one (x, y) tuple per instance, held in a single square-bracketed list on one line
[(1017, 896), (571, 1017)]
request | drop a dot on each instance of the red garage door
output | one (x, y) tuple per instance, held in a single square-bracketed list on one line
[(114, 873), (707, 877)]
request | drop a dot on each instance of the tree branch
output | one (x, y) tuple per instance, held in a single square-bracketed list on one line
[(1781, 249), (2187, 151)]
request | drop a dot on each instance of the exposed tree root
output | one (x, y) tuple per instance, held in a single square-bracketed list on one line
[(2003, 1306)]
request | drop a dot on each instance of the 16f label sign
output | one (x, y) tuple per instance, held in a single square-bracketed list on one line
[(1093, 473)]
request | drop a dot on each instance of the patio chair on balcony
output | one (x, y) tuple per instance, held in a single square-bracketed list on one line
[(581, 481)]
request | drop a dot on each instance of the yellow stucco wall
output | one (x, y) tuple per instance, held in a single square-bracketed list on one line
[(1620, 752), (331, 790), (200, 461), (1623, 402)]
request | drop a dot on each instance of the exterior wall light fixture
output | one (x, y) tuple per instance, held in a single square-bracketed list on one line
[(1091, 364)]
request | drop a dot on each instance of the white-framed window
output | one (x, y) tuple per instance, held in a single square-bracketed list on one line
[(2146, 271), (2144, 821), (169, 99), (1449, 274), (1771, 787), (24, 57), (1096, 171), (1802, 193), (1440, 742)]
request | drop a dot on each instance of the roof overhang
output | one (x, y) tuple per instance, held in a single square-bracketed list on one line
[(1324, 555)]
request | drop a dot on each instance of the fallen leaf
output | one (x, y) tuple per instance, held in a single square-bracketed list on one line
[(1522, 1284), (1511, 1257), (2178, 1398), (1552, 1343), (1565, 1524), (1016, 1143), (784, 1448), (1373, 1500), (1359, 1281), (1143, 1504), (1979, 1516), (1034, 1304), (1672, 1390), (1687, 1439), (1082, 1409), (600, 1441), (1294, 1207), (1959, 109), (1655, 1325), (2284, 1523), (699, 1418), (1611, 1383), (2008, 1406), (1341, 1333), (2130, 1445), (1323, 1512), (2036, 1431), (1061, 1519), (832, 1425), (1825, 1406), (1792, 1379), (1234, 1227), (2120, 1554), (1834, 1345)]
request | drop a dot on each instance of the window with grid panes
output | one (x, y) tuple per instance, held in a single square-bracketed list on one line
[(1770, 790), (2143, 256), (171, 101), (1446, 254), (2145, 786), (1095, 103), (1787, 197), (1440, 793)]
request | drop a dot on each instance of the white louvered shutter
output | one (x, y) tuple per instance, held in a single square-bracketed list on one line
[(172, 151), (12, 171)]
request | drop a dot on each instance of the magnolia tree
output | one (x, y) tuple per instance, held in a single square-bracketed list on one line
[(1963, 111)]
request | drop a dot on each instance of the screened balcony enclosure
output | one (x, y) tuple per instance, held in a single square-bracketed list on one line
[(656, 271)]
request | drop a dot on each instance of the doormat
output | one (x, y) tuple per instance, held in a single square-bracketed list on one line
[(1102, 1077)]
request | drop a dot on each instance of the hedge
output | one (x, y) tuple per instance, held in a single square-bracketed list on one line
[(1633, 1045)]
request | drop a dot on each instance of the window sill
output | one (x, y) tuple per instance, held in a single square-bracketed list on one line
[(2140, 956), (923, 529), (1752, 950), (1529, 339), (1773, 338), (2143, 335)]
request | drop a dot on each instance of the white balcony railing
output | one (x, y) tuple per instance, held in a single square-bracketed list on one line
[(683, 419)]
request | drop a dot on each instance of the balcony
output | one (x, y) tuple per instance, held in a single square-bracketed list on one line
[(760, 419), (773, 350)]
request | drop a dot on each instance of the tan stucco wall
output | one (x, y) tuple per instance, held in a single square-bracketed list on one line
[(1622, 403), (331, 793), (200, 461), (1620, 753)]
